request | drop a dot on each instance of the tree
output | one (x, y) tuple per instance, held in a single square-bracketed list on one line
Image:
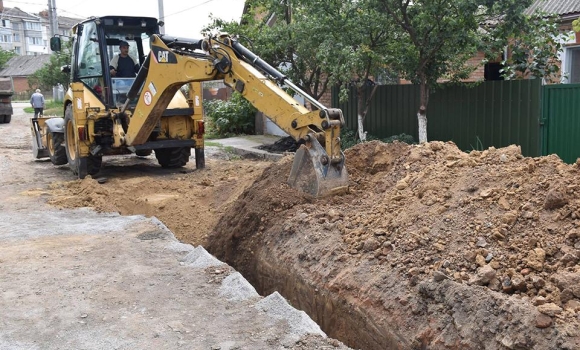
[(317, 44), (5, 56), (438, 37), (535, 46), (51, 75), (281, 35)]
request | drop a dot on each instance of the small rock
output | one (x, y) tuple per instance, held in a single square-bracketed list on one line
[(503, 203), (439, 276), (440, 247), (573, 305), (401, 185), (507, 286), (509, 218), (496, 234), (539, 300), (483, 276), (480, 260), (519, 283), (481, 242), (371, 244), (555, 199), (488, 258), (550, 309), (486, 193), (543, 321), (536, 259), (538, 282)]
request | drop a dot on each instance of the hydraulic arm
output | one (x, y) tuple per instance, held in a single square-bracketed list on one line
[(319, 164)]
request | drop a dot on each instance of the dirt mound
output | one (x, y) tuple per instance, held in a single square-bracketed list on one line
[(190, 203), (432, 247)]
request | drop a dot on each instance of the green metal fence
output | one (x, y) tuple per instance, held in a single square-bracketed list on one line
[(561, 121), (497, 113)]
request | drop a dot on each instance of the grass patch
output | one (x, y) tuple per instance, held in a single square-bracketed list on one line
[(212, 144), (50, 108)]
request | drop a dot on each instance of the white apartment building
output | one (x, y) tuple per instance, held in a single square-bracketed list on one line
[(29, 34)]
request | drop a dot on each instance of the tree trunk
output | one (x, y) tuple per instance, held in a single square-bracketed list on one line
[(422, 120), (362, 135), (362, 113), (422, 113)]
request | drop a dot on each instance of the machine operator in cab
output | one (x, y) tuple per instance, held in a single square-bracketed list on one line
[(123, 65)]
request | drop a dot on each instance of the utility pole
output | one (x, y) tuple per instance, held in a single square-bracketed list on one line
[(161, 16), (52, 19)]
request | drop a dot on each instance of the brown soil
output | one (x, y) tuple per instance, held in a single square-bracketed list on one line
[(431, 248)]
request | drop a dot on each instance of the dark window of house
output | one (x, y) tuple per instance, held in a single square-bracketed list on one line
[(574, 65), (492, 71)]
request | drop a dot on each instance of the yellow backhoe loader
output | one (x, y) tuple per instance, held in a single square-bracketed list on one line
[(105, 114)]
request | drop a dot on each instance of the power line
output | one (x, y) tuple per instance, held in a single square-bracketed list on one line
[(28, 3), (187, 9)]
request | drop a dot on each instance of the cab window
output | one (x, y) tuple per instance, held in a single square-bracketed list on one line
[(89, 59)]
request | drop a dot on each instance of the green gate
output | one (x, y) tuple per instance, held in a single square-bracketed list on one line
[(561, 121)]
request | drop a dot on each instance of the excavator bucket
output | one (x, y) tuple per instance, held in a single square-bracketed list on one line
[(313, 173)]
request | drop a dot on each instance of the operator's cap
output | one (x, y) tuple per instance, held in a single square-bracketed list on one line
[(123, 43)]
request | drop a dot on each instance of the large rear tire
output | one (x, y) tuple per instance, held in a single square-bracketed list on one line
[(80, 166), (173, 157), (56, 149)]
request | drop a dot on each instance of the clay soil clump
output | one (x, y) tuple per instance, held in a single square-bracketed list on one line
[(431, 247)]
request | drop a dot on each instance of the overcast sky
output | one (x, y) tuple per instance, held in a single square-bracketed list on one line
[(183, 18)]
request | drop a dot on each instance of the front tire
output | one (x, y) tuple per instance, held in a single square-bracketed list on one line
[(175, 157), (56, 149), (80, 166)]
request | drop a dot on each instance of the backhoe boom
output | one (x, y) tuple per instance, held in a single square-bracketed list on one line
[(319, 165)]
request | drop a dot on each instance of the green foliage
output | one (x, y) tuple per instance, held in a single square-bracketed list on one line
[(478, 144), (535, 48), (576, 25), (349, 138), (234, 116), (5, 56), (50, 75), (316, 44)]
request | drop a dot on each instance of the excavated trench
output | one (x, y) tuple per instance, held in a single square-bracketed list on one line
[(249, 239), (338, 317)]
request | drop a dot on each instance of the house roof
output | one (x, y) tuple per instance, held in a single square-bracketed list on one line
[(20, 66), (558, 7), (16, 12), (68, 21)]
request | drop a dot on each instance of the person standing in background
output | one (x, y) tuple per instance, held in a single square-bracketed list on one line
[(37, 102)]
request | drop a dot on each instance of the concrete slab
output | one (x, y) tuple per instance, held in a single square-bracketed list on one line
[(247, 146)]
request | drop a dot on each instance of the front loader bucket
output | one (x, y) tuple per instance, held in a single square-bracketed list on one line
[(312, 172)]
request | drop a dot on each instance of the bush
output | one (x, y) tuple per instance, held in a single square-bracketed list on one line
[(234, 116), (349, 138)]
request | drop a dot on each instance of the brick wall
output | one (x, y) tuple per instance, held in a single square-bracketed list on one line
[(20, 84)]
